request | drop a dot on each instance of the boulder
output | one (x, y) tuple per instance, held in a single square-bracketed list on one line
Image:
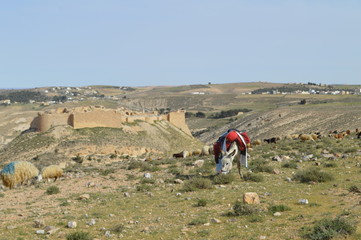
[(251, 198)]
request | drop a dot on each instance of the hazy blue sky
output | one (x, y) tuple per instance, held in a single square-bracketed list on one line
[(176, 42)]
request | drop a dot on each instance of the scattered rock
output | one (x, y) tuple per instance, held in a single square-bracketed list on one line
[(276, 171), (91, 222), (178, 194), (126, 194), (111, 215), (108, 234), (72, 224), (215, 220), (147, 175), (262, 237), (198, 163), (277, 158), (90, 184), (277, 214), (178, 181), (10, 227), (40, 232), (50, 229), (303, 201), (39, 223), (288, 179), (251, 198), (84, 196)]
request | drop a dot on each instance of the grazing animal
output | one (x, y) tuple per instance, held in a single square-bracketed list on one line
[(52, 171), (306, 137), (271, 140), (230, 145), (19, 172)]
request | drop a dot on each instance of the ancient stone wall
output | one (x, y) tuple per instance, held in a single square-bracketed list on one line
[(89, 117)]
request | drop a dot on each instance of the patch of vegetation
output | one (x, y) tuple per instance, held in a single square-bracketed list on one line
[(279, 208), (312, 175), (118, 228), (290, 164), (52, 190), (354, 189), (144, 188), (201, 202), (147, 181), (228, 113), (260, 166), (79, 236), (253, 177), (197, 183), (326, 229), (242, 209), (106, 172), (223, 179), (330, 164), (2, 195), (198, 221)]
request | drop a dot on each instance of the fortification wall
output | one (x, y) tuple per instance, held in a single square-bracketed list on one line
[(89, 117), (178, 119), (97, 118)]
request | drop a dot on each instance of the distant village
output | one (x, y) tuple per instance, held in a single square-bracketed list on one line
[(56, 95)]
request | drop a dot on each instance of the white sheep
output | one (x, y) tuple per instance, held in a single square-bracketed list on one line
[(18, 172), (52, 171)]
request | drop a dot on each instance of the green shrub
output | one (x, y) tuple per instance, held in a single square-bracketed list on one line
[(2, 195), (144, 188), (253, 177), (242, 209), (354, 189), (197, 183), (260, 166), (198, 221), (291, 164), (52, 190), (106, 172), (326, 229), (147, 181), (118, 228), (223, 179), (312, 175), (279, 208), (330, 164), (201, 203), (135, 164), (79, 236)]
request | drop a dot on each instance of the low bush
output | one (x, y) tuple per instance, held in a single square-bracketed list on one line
[(201, 203), (79, 236), (197, 183), (242, 209), (253, 177), (279, 208), (354, 189), (223, 179), (326, 229), (198, 221), (52, 190), (312, 175), (291, 164)]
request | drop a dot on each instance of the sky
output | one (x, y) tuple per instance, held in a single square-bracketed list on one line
[(178, 42)]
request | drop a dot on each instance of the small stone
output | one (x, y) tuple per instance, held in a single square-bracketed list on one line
[(188, 198), (147, 175), (149, 194), (178, 194), (126, 194), (10, 227), (198, 163), (215, 220), (178, 181), (50, 229), (90, 184), (91, 222), (303, 201), (251, 198), (108, 234), (207, 224), (84, 196), (276, 171), (288, 179), (39, 223), (146, 230), (72, 224), (277, 214), (277, 158), (262, 237), (40, 232), (111, 215)]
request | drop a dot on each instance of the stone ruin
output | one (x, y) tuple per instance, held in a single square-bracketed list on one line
[(99, 116)]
